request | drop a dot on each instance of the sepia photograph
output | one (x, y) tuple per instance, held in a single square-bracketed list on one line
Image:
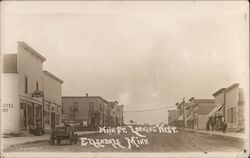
[(124, 79)]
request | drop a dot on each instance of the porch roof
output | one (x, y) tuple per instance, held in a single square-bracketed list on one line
[(190, 118), (216, 110), (180, 118)]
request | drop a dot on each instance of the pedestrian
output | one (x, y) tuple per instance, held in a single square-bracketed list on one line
[(212, 124), (224, 126), (207, 125)]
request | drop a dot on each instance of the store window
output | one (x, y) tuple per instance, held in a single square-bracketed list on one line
[(91, 106), (26, 84), (31, 114), (46, 117), (37, 85), (57, 119), (75, 106), (230, 115)]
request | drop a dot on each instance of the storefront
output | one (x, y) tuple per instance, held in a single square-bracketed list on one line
[(30, 115), (216, 117), (95, 120), (190, 121), (180, 121)]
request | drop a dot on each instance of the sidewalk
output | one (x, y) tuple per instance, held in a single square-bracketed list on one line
[(7, 142), (220, 133)]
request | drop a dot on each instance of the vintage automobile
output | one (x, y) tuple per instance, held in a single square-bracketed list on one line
[(63, 133)]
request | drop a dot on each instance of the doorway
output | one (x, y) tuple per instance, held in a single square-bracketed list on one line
[(53, 117)]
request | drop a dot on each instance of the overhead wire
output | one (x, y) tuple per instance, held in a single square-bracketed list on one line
[(145, 110)]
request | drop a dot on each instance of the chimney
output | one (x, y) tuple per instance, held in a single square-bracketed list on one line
[(87, 94)]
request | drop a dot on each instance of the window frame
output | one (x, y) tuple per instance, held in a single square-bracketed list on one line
[(26, 84), (37, 85)]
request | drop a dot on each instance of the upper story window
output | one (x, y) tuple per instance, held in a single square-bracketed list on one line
[(37, 85), (58, 109), (91, 106), (75, 106), (26, 84), (101, 107)]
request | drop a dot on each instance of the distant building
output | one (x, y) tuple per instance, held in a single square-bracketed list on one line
[(22, 91), (112, 113), (120, 115), (217, 114), (182, 113), (189, 116), (234, 107), (52, 100), (201, 108), (85, 110), (172, 116)]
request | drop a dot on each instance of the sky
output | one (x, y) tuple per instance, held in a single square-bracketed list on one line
[(144, 54)]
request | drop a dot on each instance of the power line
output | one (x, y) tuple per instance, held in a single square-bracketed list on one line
[(149, 109), (159, 103)]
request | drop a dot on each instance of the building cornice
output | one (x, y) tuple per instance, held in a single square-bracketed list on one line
[(86, 97)]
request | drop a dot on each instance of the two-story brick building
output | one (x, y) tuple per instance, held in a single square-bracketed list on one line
[(90, 110)]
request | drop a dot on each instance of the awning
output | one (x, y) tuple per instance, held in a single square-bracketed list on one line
[(180, 118), (217, 109), (189, 118)]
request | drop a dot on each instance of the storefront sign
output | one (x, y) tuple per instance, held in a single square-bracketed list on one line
[(6, 107)]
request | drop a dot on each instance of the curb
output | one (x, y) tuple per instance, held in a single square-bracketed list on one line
[(41, 140), (214, 134)]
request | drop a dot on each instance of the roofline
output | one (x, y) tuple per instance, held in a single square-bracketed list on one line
[(172, 110), (232, 86), (191, 98), (201, 100), (23, 44), (219, 92), (204, 99), (85, 97), (53, 76)]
